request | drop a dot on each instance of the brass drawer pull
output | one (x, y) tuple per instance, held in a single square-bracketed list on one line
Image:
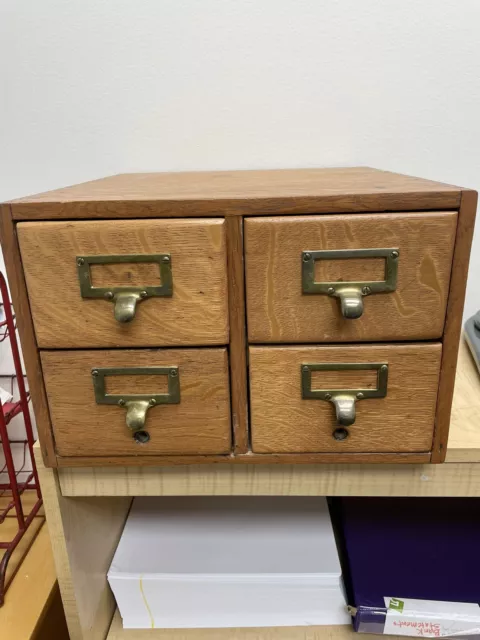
[(350, 293), (344, 399), (125, 298), (137, 405)]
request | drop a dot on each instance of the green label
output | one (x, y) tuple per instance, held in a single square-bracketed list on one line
[(396, 605)]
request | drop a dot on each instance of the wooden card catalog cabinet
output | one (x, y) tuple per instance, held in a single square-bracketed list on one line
[(241, 317)]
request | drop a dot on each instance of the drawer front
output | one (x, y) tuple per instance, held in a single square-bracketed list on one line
[(182, 401), (126, 282), (303, 401), (348, 278)]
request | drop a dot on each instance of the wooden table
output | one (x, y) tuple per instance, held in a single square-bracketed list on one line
[(33, 608), (86, 509)]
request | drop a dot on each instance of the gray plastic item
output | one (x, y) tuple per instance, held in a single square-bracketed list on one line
[(472, 336)]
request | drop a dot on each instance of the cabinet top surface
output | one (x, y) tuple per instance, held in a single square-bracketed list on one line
[(239, 193)]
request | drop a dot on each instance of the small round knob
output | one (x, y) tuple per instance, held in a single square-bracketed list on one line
[(141, 437), (340, 434)]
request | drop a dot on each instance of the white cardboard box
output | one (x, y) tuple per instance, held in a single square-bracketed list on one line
[(188, 562)]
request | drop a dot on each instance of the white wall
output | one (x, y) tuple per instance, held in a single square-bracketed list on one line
[(95, 87)]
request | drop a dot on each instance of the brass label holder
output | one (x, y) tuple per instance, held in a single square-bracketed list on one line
[(350, 293), (125, 298), (136, 405), (344, 400)]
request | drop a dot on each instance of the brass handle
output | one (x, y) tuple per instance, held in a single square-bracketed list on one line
[(125, 306), (137, 405), (351, 302), (125, 298), (350, 294), (137, 414), (344, 400), (344, 409)]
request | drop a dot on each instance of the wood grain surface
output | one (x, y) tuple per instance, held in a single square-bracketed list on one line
[(196, 314), (239, 193), (242, 459), (453, 324), (8, 531), (422, 480), (53, 623), (99, 474), (84, 533), (464, 433), (35, 584), (199, 424), (238, 338), (278, 311), (340, 632), (31, 358), (460, 476), (281, 421)]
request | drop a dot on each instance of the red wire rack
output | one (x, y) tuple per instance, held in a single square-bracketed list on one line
[(23, 477)]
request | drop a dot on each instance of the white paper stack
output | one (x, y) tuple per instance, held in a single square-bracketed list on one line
[(228, 562)]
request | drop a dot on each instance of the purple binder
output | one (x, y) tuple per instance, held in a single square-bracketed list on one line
[(422, 548)]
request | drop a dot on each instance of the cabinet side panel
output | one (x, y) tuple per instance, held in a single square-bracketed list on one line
[(16, 281), (453, 323)]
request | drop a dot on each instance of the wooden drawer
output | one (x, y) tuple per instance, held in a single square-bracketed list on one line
[(286, 258), (190, 255), (284, 421), (196, 420)]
